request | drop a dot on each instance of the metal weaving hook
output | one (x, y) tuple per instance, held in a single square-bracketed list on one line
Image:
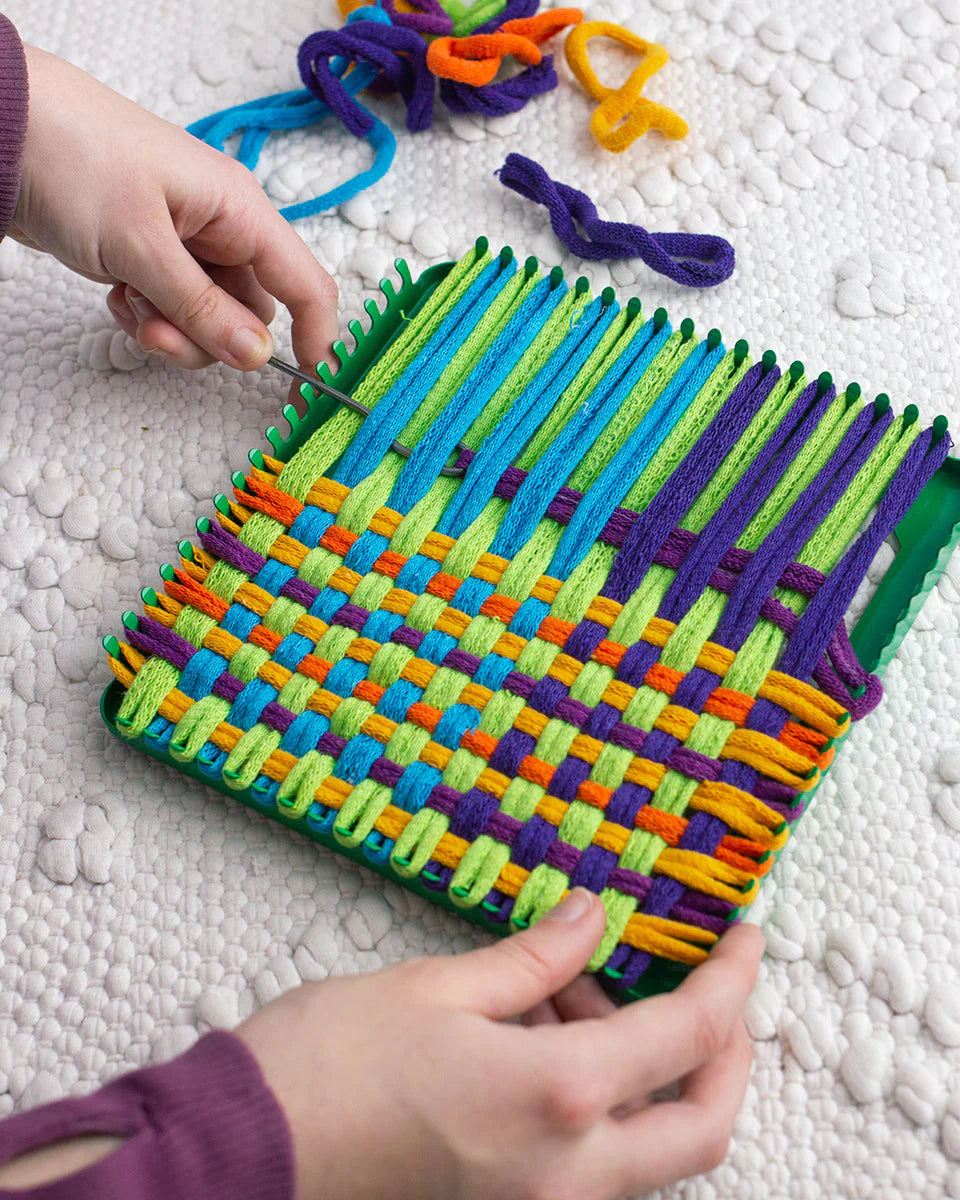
[(348, 402)]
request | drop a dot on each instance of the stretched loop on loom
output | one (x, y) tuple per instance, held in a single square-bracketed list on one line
[(318, 385), (694, 259), (624, 113), (422, 16)]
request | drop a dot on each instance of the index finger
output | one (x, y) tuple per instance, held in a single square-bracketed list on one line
[(651, 1043), (286, 267)]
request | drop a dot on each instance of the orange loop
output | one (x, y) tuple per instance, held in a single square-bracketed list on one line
[(476, 60)]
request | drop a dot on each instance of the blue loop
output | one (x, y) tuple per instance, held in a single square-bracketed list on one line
[(257, 119)]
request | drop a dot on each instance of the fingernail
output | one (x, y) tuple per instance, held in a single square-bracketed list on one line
[(247, 346), (572, 908), (140, 304)]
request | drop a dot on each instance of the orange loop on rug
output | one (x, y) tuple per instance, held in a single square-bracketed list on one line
[(476, 60), (624, 113)]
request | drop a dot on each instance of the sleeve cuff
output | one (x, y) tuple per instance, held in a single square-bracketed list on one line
[(14, 97), (205, 1126)]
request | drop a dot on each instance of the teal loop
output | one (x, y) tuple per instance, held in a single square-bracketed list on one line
[(257, 119)]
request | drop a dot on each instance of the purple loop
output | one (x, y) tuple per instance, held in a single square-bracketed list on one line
[(400, 54), (706, 259), (837, 689), (500, 99), (431, 19), (516, 10)]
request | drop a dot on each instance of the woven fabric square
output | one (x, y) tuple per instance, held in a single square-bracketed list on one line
[(610, 653)]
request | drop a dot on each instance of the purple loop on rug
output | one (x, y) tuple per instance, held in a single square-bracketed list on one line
[(430, 19), (693, 259), (400, 54), (516, 10), (500, 99)]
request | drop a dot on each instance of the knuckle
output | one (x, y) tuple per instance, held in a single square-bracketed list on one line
[(709, 1032), (572, 1101), (528, 959), (196, 308)]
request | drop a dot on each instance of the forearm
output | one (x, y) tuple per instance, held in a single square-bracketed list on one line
[(203, 1127), (13, 119)]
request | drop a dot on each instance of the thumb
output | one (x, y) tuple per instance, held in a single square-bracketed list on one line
[(510, 977), (209, 316)]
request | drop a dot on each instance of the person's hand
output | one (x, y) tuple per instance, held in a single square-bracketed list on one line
[(407, 1084), (192, 246)]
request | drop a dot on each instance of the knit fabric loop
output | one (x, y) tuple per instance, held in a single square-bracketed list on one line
[(696, 260), (257, 119), (476, 60), (398, 54), (624, 113)]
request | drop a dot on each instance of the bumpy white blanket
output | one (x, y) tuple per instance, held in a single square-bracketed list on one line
[(137, 908)]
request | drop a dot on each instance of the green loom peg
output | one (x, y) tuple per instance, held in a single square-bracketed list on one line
[(431, 875), (660, 317), (187, 550), (205, 760), (111, 645), (460, 891), (167, 573), (814, 771), (881, 404), (401, 862), (910, 415), (506, 256), (858, 691), (740, 352), (519, 922), (613, 973), (239, 480), (634, 308), (608, 296), (781, 828), (131, 621), (556, 277), (796, 371), (148, 596), (221, 504), (853, 393), (939, 427), (686, 329), (768, 361), (230, 774), (256, 458), (488, 906), (582, 285), (259, 788), (203, 525), (482, 245), (824, 383), (714, 338), (531, 266)]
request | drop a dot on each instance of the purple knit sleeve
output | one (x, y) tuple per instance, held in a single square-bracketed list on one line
[(13, 119), (202, 1127)]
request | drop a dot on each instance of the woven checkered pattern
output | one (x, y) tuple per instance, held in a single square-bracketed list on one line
[(504, 734)]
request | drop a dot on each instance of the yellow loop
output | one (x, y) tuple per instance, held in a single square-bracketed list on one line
[(623, 114)]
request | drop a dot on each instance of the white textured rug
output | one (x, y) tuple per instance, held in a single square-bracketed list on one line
[(137, 908)]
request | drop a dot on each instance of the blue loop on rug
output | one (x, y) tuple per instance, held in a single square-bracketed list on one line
[(692, 259), (257, 119)]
